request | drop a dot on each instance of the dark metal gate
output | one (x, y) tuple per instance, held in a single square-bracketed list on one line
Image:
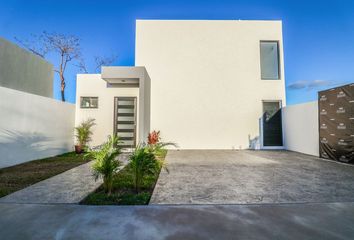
[(272, 130), (336, 123)]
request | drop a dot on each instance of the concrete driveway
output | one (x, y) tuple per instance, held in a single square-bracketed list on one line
[(239, 177)]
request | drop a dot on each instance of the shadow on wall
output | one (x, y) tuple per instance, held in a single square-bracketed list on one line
[(17, 147)]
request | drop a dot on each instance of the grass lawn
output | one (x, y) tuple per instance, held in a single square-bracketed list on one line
[(123, 192), (23, 175)]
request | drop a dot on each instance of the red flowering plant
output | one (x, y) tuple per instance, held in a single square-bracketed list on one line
[(157, 148), (154, 137), (155, 144)]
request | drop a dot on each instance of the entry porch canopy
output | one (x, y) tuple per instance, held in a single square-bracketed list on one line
[(132, 77)]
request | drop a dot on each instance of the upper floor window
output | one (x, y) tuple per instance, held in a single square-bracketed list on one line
[(270, 69), (89, 102)]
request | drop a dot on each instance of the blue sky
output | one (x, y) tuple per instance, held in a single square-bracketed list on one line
[(318, 35)]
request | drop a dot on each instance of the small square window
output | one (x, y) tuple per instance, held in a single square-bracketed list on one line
[(89, 102)]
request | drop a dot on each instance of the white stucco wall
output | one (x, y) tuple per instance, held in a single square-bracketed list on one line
[(145, 94), (206, 87), (33, 127), (92, 85), (300, 123)]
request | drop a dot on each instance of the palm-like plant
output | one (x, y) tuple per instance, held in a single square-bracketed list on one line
[(105, 163), (160, 146), (142, 162), (83, 132)]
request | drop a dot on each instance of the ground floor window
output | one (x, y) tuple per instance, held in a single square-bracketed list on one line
[(89, 102)]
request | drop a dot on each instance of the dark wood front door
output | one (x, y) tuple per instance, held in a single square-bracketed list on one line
[(125, 120)]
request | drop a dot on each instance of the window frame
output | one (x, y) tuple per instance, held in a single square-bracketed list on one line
[(90, 98), (278, 56)]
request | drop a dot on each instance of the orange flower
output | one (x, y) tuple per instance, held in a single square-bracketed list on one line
[(154, 137)]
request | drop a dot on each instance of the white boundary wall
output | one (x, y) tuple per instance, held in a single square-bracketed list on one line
[(33, 127), (300, 125)]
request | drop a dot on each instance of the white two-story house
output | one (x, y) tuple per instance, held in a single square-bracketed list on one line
[(204, 84)]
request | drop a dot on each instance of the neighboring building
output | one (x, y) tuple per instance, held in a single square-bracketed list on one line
[(33, 125), (211, 82), (24, 71)]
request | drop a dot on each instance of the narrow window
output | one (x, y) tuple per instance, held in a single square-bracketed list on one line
[(89, 102), (270, 60)]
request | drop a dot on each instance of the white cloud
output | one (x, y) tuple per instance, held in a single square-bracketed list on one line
[(309, 84), (319, 83), (297, 85)]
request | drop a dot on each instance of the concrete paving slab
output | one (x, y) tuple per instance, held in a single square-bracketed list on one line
[(282, 221), (241, 177), (71, 186)]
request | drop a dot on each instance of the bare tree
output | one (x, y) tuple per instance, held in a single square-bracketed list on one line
[(103, 61), (68, 49), (98, 63), (35, 45), (66, 46), (82, 65)]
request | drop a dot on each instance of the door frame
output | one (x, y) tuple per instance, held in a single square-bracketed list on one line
[(261, 128), (115, 116)]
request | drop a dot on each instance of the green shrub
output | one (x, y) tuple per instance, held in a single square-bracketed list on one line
[(105, 163), (83, 132), (143, 162)]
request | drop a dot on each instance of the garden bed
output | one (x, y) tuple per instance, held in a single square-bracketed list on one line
[(23, 175), (123, 192)]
